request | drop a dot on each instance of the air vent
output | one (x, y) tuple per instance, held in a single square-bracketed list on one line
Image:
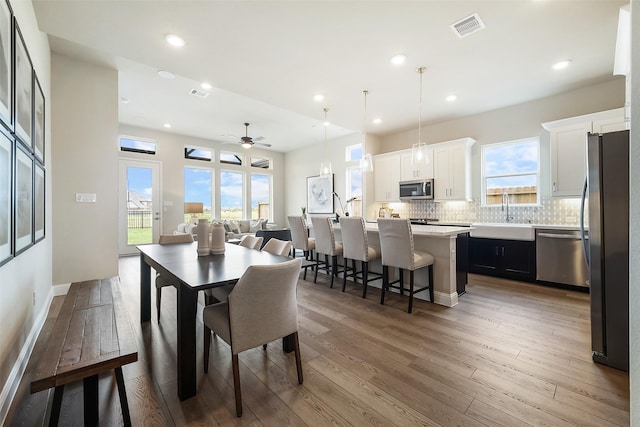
[(467, 26), (199, 93)]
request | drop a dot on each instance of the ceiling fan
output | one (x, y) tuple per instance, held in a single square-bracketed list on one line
[(247, 142)]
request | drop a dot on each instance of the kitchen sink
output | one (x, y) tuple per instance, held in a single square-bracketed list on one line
[(503, 231)]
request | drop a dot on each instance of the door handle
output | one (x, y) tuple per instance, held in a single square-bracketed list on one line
[(157, 217), (561, 236)]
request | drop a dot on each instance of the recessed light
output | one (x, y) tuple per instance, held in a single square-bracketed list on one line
[(451, 98), (174, 40), (166, 74), (561, 65), (319, 97), (167, 125), (124, 100), (398, 59), (377, 121), (206, 86)]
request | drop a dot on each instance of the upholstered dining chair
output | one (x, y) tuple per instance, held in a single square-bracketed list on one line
[(261, 308), (396, 242), (300, 236), (326, 245), (251, 242), (355, 247), (161, 281), (277, 247)]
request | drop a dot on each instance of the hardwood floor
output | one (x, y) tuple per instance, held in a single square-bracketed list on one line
[(508, 354)]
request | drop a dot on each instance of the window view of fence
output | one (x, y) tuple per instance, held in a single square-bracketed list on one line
[(139, 223)]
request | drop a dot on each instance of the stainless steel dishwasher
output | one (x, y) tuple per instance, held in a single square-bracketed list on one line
[(559, 257)]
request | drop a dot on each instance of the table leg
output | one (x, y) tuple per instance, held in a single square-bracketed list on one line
[(90, 390), (145, 290), (55, 408), (187, 307)]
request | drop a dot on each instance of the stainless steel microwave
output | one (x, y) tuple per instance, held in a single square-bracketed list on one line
[(416, 190)]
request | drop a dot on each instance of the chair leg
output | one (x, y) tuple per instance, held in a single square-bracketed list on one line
[(401, 282), (158, 298), (344, 276), (353, 268), (365, 278), (236, 384), (334, 268), (298, 357), (207, 346), (410, 291), (315, 276), (385, 282), (329, 271), (431, 290), (264, 346)]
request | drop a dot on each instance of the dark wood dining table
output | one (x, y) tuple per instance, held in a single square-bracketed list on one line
[(182, 265)]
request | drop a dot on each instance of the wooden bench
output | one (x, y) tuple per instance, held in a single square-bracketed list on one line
[(91, 335)]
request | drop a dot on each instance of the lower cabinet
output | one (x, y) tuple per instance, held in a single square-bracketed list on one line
[(511, 259)]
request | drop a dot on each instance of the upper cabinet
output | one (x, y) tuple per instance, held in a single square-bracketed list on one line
[(386, 177), (410, 171), (452, 169), (568, 148)]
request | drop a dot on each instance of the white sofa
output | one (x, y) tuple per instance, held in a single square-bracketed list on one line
[(234, 229)]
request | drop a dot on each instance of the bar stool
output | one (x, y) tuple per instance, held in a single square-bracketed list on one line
[(355, 247), (326, 244), (396, 242), (301, 240)]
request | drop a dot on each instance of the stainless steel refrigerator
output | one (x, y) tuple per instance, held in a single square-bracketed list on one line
[(607, 246)]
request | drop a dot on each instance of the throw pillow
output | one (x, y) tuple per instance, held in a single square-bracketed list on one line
[(234, 227), (226, 226), (255, 225)]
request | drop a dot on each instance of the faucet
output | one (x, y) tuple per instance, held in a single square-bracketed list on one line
[(505, 196)]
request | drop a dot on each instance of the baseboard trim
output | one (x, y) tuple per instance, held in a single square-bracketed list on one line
[(59, 290), (11, 386), (448, 300)]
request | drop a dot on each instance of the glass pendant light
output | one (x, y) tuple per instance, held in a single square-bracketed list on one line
[(419, 149), (325, 166), (366, 163)]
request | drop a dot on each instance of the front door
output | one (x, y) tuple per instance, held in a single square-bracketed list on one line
[(139, 204)]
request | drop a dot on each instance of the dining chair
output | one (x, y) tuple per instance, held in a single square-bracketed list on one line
[(355, 247), (262, 307), (326, 245), (251, 242), (162, 281), (277, 247), (396, 242)]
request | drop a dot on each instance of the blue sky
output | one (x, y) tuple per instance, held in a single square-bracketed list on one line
[(505, 159)]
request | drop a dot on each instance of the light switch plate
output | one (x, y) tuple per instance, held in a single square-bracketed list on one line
[(85, 197)]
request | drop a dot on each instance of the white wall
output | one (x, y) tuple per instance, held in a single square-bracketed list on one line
[(85, 135), (30, 272), (171, 154), (634, 237)]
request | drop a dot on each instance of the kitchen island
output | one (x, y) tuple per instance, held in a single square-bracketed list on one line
[(439, 241)]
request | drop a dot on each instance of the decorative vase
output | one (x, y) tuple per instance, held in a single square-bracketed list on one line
[(217, 238), (203, 237)]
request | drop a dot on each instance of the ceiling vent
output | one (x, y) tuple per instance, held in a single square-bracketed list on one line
[(199, 93), (467, 26)]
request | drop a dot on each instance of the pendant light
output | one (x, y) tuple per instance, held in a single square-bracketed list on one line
[(366, 163), (325, 166), (419, 149)]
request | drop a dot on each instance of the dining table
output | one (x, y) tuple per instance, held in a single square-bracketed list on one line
[(181, 265)]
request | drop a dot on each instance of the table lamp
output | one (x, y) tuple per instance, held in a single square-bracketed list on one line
[(193, 208)]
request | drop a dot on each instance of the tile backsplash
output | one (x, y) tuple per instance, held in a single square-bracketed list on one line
[(550, 211)]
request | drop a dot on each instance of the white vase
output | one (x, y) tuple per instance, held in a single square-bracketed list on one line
[(203, 237), (217, 238)]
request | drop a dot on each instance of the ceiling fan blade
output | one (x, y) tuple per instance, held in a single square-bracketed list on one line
[(263, 143), (259, 138)]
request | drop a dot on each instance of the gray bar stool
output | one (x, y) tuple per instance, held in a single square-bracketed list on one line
[(396, 242), (326, 244), (300, 239), (355, 247)]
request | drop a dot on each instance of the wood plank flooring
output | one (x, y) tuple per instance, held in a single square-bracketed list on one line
[(509, 354)]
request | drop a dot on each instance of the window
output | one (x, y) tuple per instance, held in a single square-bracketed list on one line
[(354, 152), (512, 168), (260, 196), (137, 145), (198, 154), (231, 190), (257, 162), (231, 159), (198, 184), (353, 173)]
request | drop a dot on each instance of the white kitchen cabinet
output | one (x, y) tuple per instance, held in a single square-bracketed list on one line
[(568, 148), (386, 177), (452, 169), (413, 172)]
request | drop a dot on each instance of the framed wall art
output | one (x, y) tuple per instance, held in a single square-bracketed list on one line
[(38, 202), (38, 120), (23, 196), (23, 80), (5, 63), (320, 194), (6, 172)]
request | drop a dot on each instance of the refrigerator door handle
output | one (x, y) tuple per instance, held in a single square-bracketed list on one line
[(585, 248)]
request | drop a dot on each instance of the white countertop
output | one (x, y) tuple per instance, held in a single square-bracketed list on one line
[(424, 230)]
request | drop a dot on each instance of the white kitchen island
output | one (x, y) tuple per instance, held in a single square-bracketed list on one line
[(439, 241)]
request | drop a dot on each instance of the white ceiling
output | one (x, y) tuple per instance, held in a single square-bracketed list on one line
[(266, 60)]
